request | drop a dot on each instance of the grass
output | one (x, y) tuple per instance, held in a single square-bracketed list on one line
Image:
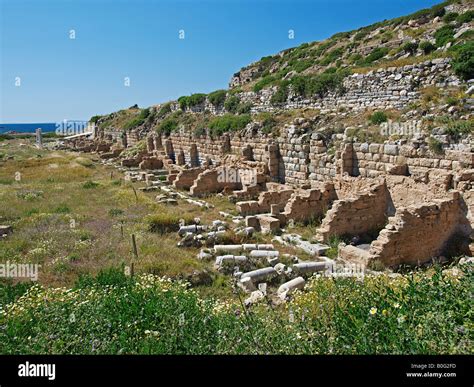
[(113, 313)]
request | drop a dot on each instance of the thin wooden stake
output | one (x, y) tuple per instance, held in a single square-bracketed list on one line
[(135, 254)]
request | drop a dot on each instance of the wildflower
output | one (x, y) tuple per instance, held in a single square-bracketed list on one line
[(385, 312), (373, 311), (396, 305), (401, 319)]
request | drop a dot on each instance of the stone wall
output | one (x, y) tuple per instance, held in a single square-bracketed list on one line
[(372, 160), (420, 232), (297, 157), (392, 87), (310, 205), (362, 213)]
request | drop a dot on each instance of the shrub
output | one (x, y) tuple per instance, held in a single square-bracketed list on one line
[(281, 95), (231, 104), (457, 128), (265, 81), (192, 100), (138, 120), (164, 110), (228, 123), (444, 35), (244, 108), (378, 117), (62, 209), (360, 35), (376, 54), (165, 223), (332, 56), (435, 146), (302, 65), (438, 10), (450, 17), (463, 62), (465, 17), (94, 119), (217, 97), (410, 47), (167, 126), (90, 184), (427, 47)]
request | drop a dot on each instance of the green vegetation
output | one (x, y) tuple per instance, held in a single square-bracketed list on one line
[(410, 47), (281, 95), (167, 126), (192, 100), (94, 119), (164, 222), (138, 120), (444, 35), (378, 117), (228, 123), (90, 184), (427, 47), (419, 313), (450, 17), (164, 110), (463, 62), (376, 54), (232, 103), (435, 146), (217, 97), (332, 56), (262, 83), (465, 17)]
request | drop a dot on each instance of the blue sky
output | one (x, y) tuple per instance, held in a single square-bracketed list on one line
[(63, 78)]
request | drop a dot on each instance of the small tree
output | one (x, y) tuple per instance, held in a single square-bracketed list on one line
[(463, 62)]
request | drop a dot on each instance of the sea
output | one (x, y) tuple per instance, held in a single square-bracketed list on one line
[(45, 126)]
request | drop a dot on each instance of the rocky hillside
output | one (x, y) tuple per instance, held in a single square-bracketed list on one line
[(413, 67)]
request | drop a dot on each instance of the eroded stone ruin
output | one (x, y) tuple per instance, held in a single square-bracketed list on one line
[(401, 196)]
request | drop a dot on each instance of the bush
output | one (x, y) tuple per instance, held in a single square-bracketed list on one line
[(217, 97), (378, 117), (332, 56), (94, 119), (410, 47), (228, 123), (360, 35), (444, 35), (435, 146), (465, 17), (165, 223), (281, 95), (427, 47), (164, 110), (450, 17), (192, 100), (438, 11), (244, 108), (138, 120), (90, 185), (265, 81), (458, 128), (62, 209), (302, 65), (376, 54), (231, 104), (463, 62), (167, 126)]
